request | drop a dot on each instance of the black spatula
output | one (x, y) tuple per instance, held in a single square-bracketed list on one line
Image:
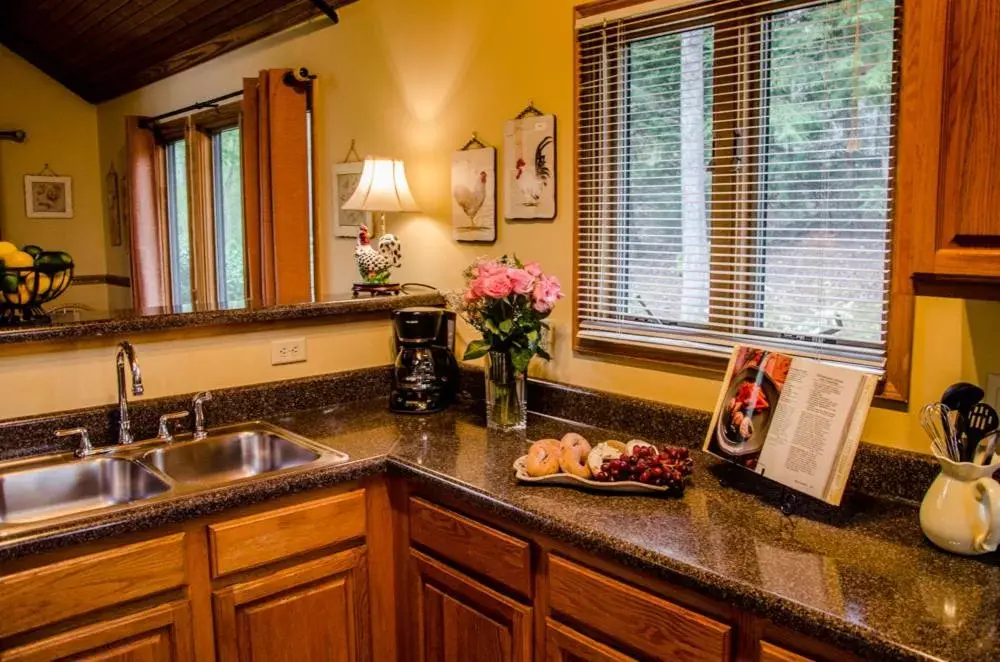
[(982, 420)]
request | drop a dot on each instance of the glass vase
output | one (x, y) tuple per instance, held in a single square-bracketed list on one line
[(506, 408)]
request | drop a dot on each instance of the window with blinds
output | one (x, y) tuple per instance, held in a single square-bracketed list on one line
[(735, 173)]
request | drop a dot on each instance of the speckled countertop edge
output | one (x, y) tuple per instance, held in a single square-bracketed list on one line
[(131, 323)]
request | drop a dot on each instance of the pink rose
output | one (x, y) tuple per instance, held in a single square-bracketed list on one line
[(476, 287), (497, 285), (488, 268), (521, 281), (534, 269), (470, 296), (547, 292)]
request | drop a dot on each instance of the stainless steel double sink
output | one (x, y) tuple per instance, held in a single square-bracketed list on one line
[(41, 491)]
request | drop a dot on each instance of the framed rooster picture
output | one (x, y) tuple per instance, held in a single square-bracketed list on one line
[(474, 194), (530, 168)]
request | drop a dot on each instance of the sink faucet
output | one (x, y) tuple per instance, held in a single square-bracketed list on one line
[(126, 353), (198, 404)]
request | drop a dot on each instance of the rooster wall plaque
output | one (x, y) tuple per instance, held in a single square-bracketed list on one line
[(474, 193), (530, 166)]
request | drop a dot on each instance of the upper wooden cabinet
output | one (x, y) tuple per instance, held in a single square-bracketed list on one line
[(949, 139)]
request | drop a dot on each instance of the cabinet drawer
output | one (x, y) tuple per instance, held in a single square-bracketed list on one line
[(771, 653), (468, 543), (643, 622), (266, 537), (51, 593)]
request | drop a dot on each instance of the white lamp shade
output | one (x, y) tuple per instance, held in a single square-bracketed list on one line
[(382, 188)]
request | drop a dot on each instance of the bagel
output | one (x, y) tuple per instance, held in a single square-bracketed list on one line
[(636, 443), (602, 453), (617, 445), (573, 456), (543, 458)]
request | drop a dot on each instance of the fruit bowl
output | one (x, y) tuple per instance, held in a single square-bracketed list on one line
[(23, 289)]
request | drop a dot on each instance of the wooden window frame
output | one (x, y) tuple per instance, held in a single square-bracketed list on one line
[(198, 130), (894, 387)]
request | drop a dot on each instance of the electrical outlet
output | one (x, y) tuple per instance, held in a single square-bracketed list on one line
[(993, 390), (288, 351)]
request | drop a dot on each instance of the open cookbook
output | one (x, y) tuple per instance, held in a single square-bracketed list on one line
[(796, 421)]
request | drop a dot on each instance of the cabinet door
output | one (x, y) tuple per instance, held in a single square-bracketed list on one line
[(160, 634), (563, 644), (312, 612), (456, 619), (948, 153)]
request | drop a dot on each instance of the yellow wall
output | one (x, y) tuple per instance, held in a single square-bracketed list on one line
[(62, 131), (72, 375), (413, 80)]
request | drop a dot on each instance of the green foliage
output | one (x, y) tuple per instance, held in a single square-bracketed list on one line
[(821, 220)]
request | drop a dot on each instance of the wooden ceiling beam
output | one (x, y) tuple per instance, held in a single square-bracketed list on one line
[(101, 49)]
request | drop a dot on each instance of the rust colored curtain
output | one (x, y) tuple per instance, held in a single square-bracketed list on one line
[(150, 281), (276, 187)]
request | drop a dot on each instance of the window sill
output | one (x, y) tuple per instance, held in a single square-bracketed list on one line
[(710, 367)]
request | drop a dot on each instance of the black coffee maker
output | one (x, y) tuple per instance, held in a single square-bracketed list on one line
[(425, 378)]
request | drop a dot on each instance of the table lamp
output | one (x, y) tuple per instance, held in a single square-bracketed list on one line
[(382, 189)]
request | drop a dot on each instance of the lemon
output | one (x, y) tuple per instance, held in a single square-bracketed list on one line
[(59, 278), (21, 296), (7, 247), (44, 283), (18, 259)]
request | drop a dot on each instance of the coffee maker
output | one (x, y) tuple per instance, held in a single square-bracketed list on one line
[(425, 377)]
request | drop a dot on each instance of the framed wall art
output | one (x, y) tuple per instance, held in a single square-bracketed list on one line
[(345, 180), (529, 151), (474, 193), (48, 196)]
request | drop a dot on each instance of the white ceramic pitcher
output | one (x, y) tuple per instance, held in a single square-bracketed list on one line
[(961, 511)]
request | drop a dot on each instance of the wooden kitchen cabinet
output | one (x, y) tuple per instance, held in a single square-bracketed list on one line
[(948, 152), (158, 634), (312, 612), (456, 619), (285, 580), (563, 644)]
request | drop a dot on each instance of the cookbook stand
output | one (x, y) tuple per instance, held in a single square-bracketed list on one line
[(788, 499)]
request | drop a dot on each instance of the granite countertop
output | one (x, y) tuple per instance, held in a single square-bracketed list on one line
[(861, 577), (101, 323)]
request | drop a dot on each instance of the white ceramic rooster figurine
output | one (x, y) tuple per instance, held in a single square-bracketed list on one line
[(374, 265)]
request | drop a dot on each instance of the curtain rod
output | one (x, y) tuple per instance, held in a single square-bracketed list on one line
[(330, 12), (17, 135), (210, 103)]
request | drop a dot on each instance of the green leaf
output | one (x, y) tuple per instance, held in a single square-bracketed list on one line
[(521, 358), (506, 326), (476, 349), (543, 354)]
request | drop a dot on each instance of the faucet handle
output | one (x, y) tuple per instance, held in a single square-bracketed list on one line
[(164, 432), (86, 448)]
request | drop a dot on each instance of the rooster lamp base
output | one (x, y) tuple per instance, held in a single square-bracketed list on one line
[(384, 290)]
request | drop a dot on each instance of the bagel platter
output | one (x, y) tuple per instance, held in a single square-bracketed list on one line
[(635, 467)]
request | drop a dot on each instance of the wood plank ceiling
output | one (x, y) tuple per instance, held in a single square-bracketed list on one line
[(101, 49)]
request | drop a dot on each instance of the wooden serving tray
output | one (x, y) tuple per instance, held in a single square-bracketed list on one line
[(621, 487)]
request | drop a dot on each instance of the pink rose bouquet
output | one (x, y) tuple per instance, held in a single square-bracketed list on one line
[(507, 301)]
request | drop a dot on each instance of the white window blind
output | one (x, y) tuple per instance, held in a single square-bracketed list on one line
[(735, 176)]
